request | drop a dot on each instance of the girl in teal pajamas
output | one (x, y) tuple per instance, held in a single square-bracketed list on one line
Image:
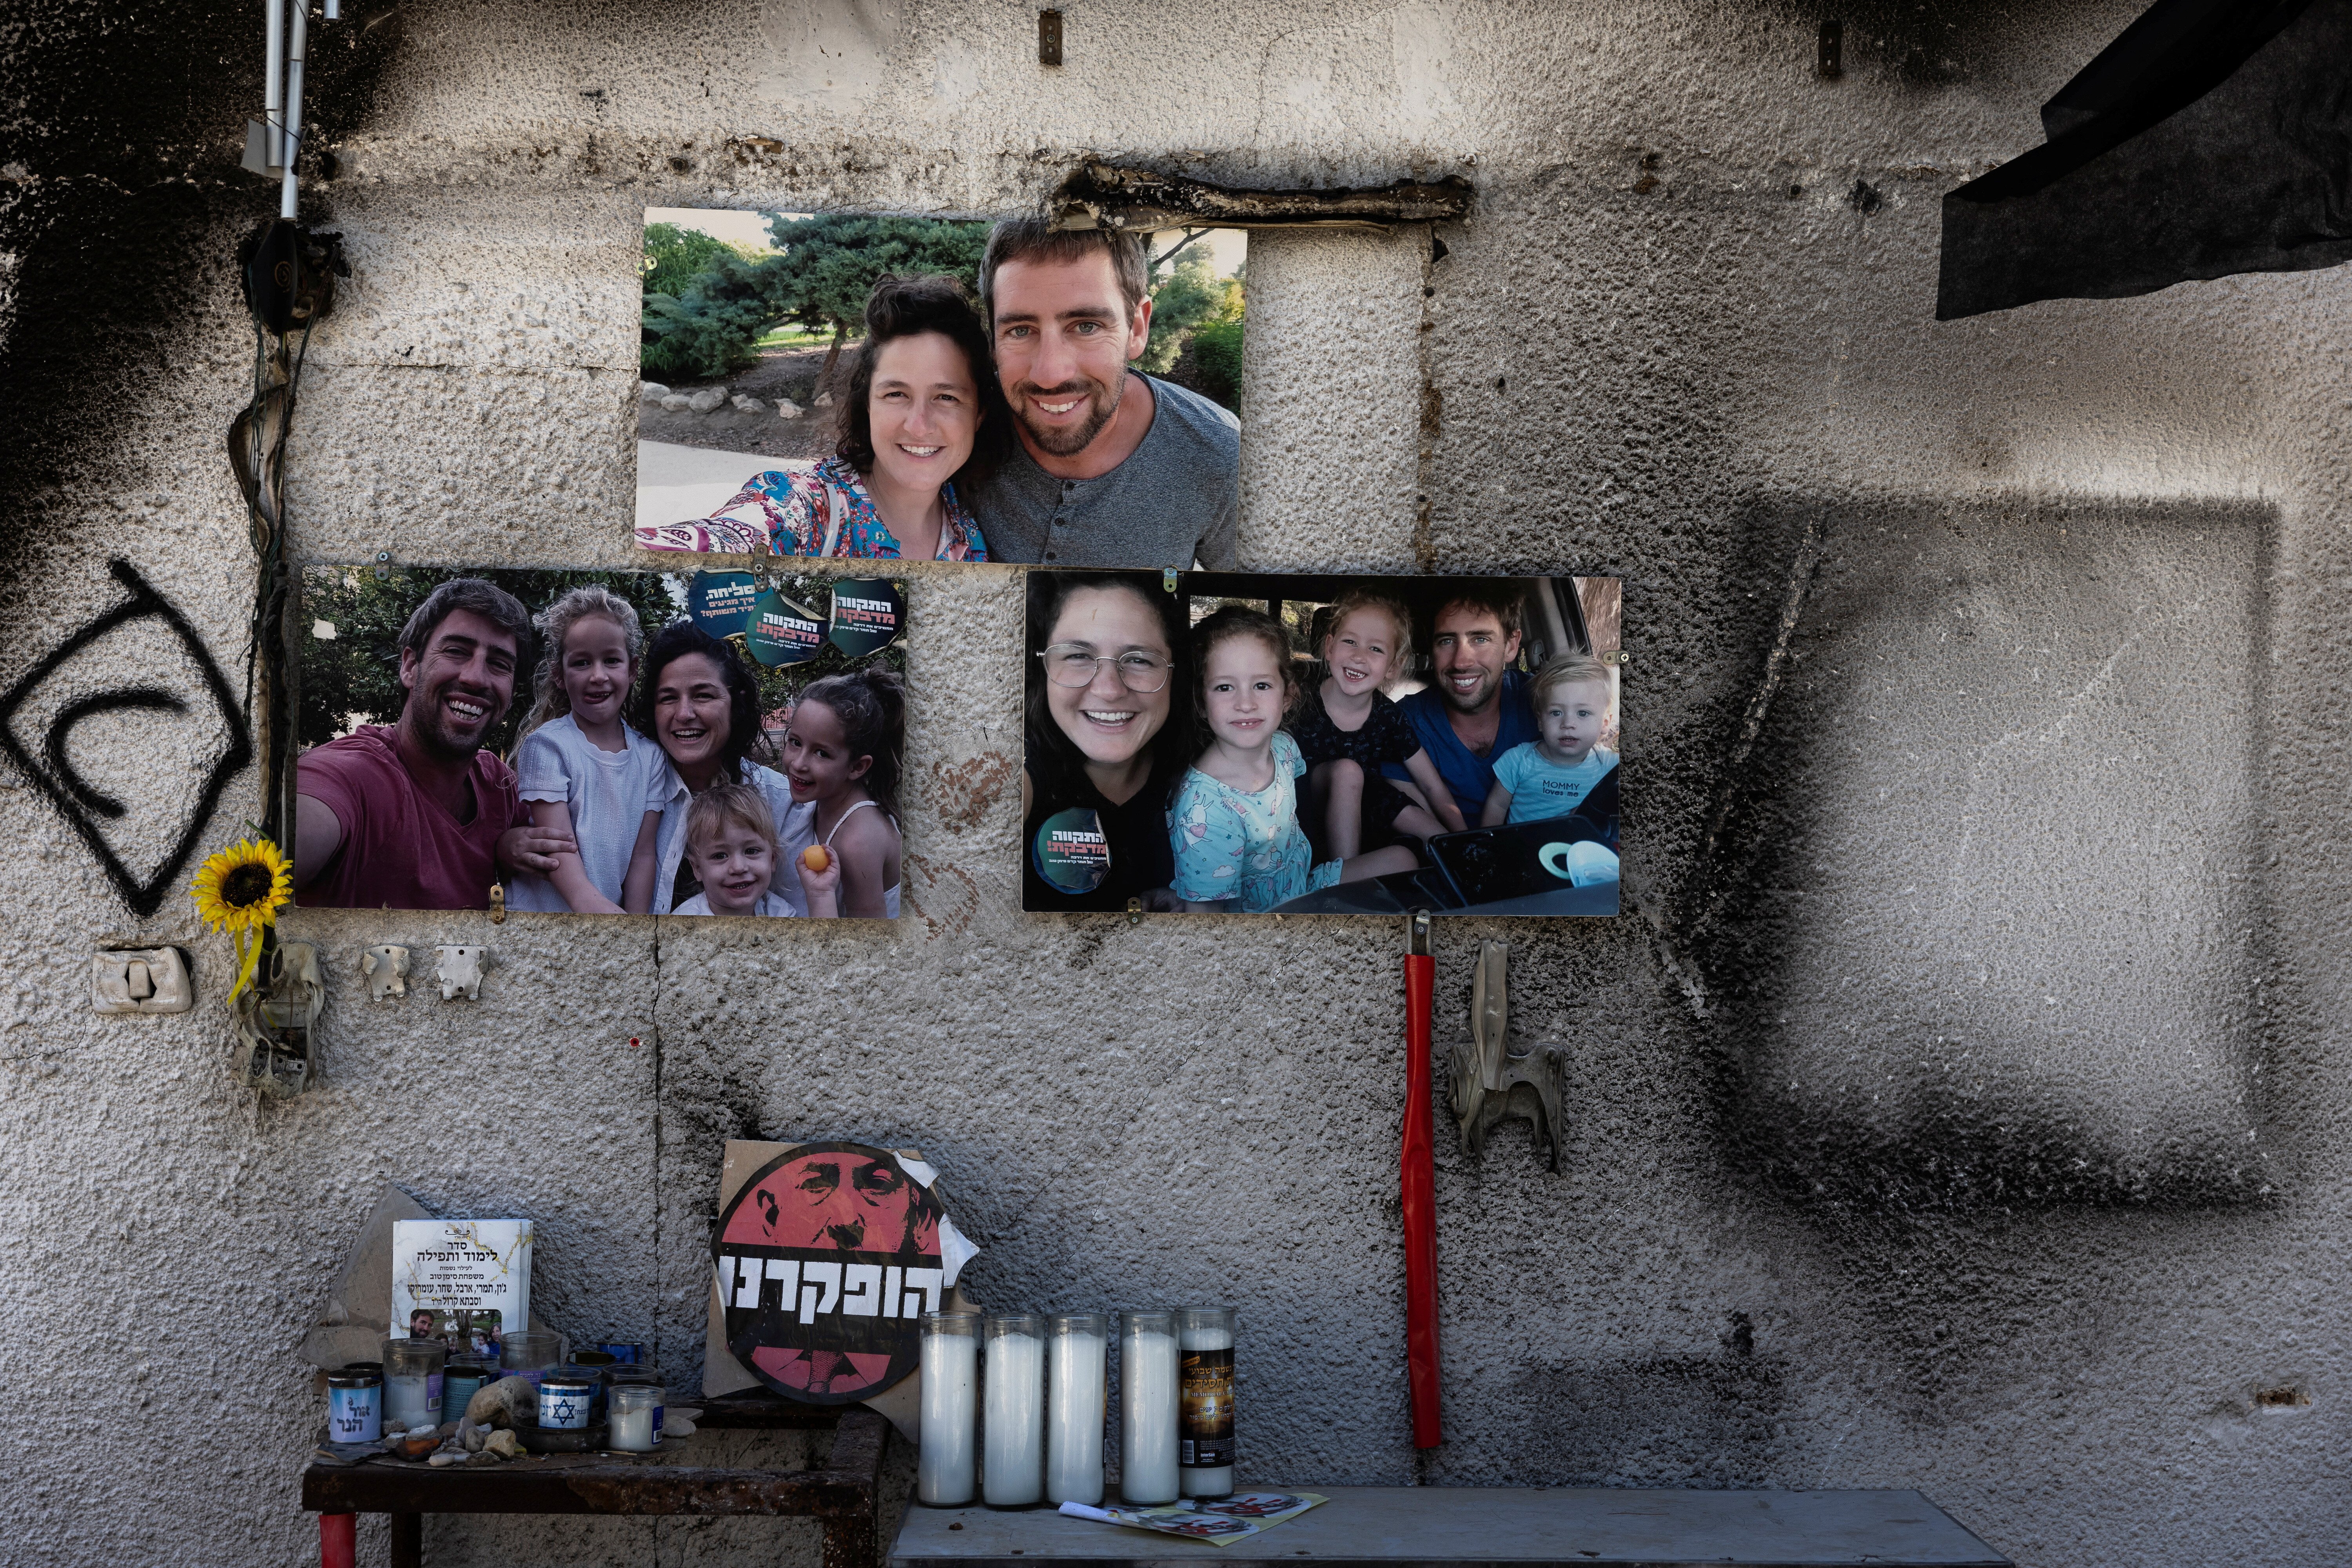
[(1234, 824)]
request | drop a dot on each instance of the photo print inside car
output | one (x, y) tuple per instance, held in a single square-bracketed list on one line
[(884, 386), (716, 743), (1296, 743)]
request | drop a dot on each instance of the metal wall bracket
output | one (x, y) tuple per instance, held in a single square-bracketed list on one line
[(1488, 1080)]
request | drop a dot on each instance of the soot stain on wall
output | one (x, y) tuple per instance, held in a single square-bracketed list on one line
[(1867, 1051), (125, 210)]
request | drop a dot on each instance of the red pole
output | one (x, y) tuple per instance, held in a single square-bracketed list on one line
[(338, 1540), (1418, 1173)]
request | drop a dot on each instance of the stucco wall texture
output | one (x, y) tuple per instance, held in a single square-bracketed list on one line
[(1959, 1103)]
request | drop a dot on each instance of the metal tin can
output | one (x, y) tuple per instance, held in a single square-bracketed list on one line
[(565, 1400), (355, 1404)]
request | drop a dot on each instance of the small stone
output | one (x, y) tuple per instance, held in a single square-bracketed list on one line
[(675, 1425), (444, 1458), (675, 402), (708, 398), (745, 404), (503, 1403), (504, 1444), (824, 400), (419, 1443), (651, 392), (471, 1437), (787, 409)]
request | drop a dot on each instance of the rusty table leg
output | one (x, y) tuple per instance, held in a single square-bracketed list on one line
[(407, 1539)]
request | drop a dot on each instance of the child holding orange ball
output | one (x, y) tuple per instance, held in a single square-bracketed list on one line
[(730, 836)]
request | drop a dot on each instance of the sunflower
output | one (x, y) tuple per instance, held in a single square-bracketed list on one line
[(240, 892)]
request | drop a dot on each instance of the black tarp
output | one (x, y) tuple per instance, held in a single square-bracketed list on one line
[(2213, 137)]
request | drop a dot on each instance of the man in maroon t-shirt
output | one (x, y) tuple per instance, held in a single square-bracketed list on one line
[(417, 814)]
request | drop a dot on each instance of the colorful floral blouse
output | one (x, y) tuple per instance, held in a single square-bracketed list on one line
[(786, 512)]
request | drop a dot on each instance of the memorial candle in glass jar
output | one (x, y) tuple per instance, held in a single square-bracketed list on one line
[(412, 1381), (565, 1399), (630, 1408), (1146, 1407), (1013, 1401), (354, 1405), (945, 1473), (1204, 1440), (1077, 1375)]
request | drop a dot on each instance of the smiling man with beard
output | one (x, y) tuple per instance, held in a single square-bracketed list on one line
[(1114, 468), (417, 814), (1476, 706)]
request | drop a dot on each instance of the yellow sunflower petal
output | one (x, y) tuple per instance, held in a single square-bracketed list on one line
[(242, 888)]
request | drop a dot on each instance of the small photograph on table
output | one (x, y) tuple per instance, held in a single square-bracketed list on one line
[(1260, 742), (600, 742), (893, 387)]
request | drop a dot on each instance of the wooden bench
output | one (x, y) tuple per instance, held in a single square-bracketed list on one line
[(1442, 1527), (841, 1494)]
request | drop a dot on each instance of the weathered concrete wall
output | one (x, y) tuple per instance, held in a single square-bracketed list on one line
[(1959, 1105)]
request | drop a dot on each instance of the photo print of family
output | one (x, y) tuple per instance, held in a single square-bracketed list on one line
[(891, 387), (600, 742), (1297, 743)]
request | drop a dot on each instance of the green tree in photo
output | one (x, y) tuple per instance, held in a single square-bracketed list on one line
[(673, 254), (832, 261), (1187, 294), (818, 278)]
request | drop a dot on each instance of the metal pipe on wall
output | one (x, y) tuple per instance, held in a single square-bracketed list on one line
[(291, 192), (273, 86)]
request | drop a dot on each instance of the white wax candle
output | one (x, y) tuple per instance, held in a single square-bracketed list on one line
[(1013, 1472), (944, 1467), (631, 1431), (1147, 1428), (1205, 1480), (1076, 1390), (405, 1400)]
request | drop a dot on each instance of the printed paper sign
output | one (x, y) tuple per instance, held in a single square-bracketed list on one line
[(462, 1280), (1220, 1522), (827, 1258)]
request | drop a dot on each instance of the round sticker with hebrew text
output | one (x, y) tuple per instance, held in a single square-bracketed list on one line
[(827, 1258)]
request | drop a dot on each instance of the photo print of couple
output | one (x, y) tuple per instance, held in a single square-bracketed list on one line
[(1249, 742), (600, 742), (889, 387)]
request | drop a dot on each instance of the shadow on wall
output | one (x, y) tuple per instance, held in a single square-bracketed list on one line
[(1982, 923)]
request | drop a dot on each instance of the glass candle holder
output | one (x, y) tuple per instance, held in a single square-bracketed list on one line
[(1146, 1407), (355, 1403), (1078, 1380), (631, 1407), (593, 1373), (412, 1381), (1204, 1434), (1012, 1440), (532, 1353), (461, 1379), (630, 1373), (946, 1474), (565, 1399)]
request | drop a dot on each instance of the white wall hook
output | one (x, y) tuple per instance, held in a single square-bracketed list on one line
[(386, 969), (141, 980), (461, 970)]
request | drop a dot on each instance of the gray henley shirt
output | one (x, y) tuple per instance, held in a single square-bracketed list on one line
[(1176, 499)]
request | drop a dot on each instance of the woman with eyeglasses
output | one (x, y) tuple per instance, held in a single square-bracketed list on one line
[(1109, 734)]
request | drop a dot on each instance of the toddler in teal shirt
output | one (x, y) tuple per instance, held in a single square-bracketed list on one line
[(1550, 776)]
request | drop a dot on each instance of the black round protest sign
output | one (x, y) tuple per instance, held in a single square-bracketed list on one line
[(721, 601), (783, 632), (867, 614), (1071, 851), (827, 1258)]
